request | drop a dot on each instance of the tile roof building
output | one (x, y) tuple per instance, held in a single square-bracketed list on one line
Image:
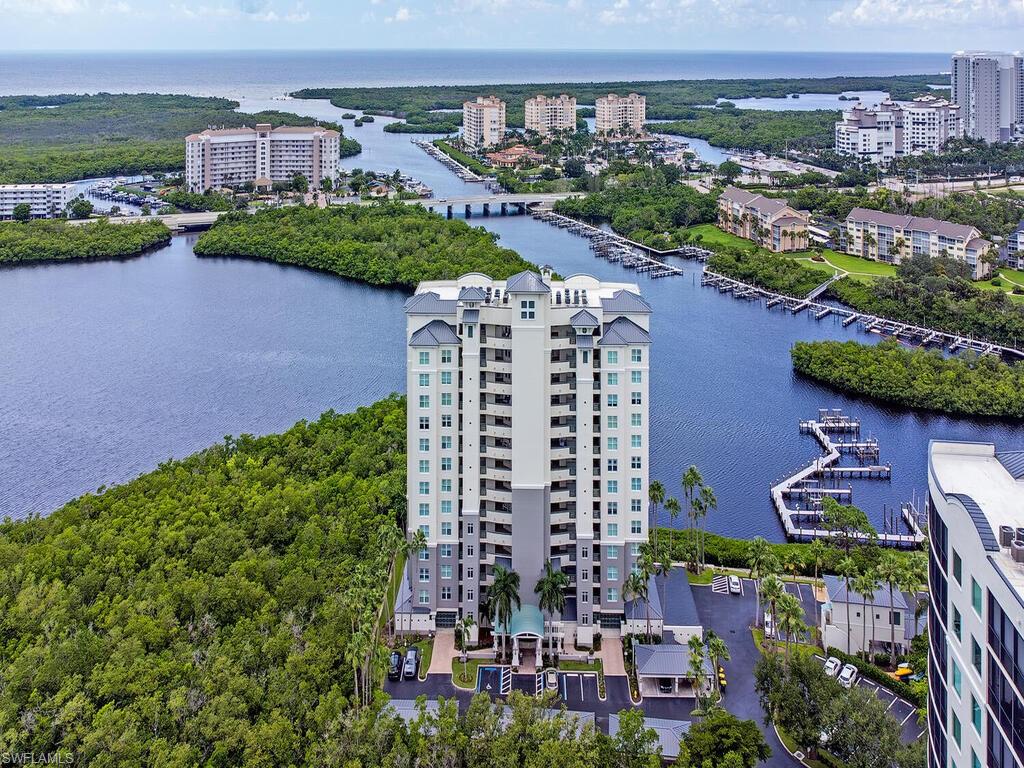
[(768, 221), (620, 115), (545, 115), (483, 122)]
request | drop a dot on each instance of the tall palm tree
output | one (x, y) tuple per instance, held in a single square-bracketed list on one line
[(772, 590), (647, 567), (761, 561), (417, 543), (691, 483), (708, 502), (718, 651), (635, 588), (656, 495), (503, 598), (847, 569), (817, 553), (550, 590), (791, 618), (674, 510), (462, 629), (865, 585), (890, 571)]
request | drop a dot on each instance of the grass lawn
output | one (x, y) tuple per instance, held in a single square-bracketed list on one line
[(468, 682), (857, 265), (583, 666), (787, 740), (705, 577), (801, 648), (426, 647), (712, 235)]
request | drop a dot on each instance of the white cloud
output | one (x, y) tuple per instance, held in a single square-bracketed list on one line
[(401, 15), (927, 13), (57, 7), (262, 11)]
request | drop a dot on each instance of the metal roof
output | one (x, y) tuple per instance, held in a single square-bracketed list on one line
[(526, 620), (472, 293), (1013, 461), (429, 303), (471, 315), (637, 607), (919, 223), (988, 538), (625, 301), (583, 319), (835, 586), (621, 332), (665, 660), (433, 334), (670, 732), (584, 341), (526, 282)]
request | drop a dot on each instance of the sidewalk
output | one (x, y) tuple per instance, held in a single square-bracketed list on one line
[(444, 652), (611, 656)]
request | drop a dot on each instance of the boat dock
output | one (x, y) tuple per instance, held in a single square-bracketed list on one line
[(448, 162), (838, 435), (905, 331)]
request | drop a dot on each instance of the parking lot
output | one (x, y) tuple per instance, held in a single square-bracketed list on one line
[(904, 712)]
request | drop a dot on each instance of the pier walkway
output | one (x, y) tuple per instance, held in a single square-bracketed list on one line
[(838, 435)]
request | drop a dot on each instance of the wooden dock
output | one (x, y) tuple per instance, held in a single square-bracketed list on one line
[(831, 429)]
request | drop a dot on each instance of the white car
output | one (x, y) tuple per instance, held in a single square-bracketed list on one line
[(769, 629), (832, 666), (848, 676), (734, 585)]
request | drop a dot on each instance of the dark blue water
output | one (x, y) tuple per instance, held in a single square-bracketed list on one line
[(265, 74)]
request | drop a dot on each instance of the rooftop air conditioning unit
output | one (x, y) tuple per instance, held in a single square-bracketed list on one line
[(1005, 535), (1017, 551)]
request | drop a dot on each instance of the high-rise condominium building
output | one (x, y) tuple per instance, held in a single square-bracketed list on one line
[(989, 87), (231, 157), (976, 615), (545, 115), (896, 129), (44, 200), (620, 115), (528, 441), (483, 121)]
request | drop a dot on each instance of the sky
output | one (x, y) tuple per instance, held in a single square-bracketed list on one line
[(781, 25)]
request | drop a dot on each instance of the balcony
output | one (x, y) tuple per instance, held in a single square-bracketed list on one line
[(561, 539), (494, 452), (497, 539)]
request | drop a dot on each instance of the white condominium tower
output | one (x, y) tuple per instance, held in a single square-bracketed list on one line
[(976, 615), (231, 157), (528, 441), (896, 129), (44, 201), (620, 115), (989, 87), (544, 114), (483, 121)]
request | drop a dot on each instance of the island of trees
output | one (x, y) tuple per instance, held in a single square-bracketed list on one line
[(82, 136), (388, 244), (58, 240), (967, 385)]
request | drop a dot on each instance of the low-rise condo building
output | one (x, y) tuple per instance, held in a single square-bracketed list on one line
[(896, 129), (232, 157), (976, 615), (892, 237), (528, 444), (853, 621), (483, 122), (546, 115), (1012, 252), (767, 221), (620, 115), (44, 200)]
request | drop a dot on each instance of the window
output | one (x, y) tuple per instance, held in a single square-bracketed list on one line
[(611, 553), (958, 568), (634, 484), (470, 573), (636, 355), (469, 331), (526, 309), (636, 398), (424, 422), (613, 507), (613, 465), (424, 358), (613, 422), (424, 574), (446, 529), (446, 486), (634, 549), (613, 379), (636, 526), (975, 762), (446, 442), (635, 462), (446, 550), (613, 443), (424, 444), (446, 571), (635, 441), (424, 510), (635, 377), (470, 527), (446, 593), (613, 400), (446, 464), (634, 505), (634, 420), (470, 595), (446, 421), (976, 596), (585, 597), (470, 550), (424, 401), (613, 595), (612, 356), (446, 377), (424, 553), (424, 379), (426, 531), (424, 486), (612, 573), (446, 398), (446, 355), (424, 598), (613, 486), (976, 715), (957, 678), (585, 574), (585, 618), (585, 552), (446, 507), (957, 622), (424, 466), (613, 529), (956, 729), (976, 655)]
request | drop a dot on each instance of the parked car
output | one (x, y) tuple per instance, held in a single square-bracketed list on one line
[(734, 585), (832, 666), (412, 662), (769, 629), (395, 666), (848, 676), (665, 685), (551, 679)]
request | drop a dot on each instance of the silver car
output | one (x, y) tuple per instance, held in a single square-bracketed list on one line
[(848, 676)]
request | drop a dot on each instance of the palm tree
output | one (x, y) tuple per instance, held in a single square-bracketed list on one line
[(503, 598), (417, 543), (646, 564), (772, 590), (890, 571), (550, 590), (791, 618), (865, 584), (674, 509), (692, 483), (696, 645), (462, 628), (635, 588), (656, 495), (708, 502), (847, 569), (817, 553), (718, 651), (761, 561)]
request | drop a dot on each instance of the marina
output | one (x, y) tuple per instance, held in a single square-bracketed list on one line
[(450, 163)]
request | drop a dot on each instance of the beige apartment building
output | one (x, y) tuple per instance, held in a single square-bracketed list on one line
[(545, 115), (767, 221), (892, 237), (483, 122), (620, 115), (231, 157)]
